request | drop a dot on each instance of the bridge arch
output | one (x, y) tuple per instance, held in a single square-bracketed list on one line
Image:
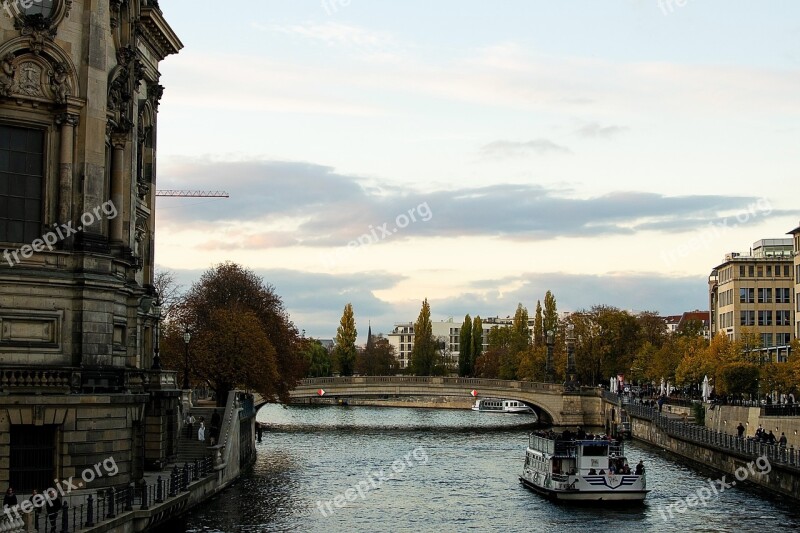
[(551, 402)]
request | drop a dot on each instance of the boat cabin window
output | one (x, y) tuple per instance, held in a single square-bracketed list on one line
[(595, 451)]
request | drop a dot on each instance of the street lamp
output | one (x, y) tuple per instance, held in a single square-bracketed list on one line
[(549, 370), (156, 355), (187, 336), (571, 385)]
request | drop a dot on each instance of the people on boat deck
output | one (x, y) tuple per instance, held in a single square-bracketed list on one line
[(602, 472), (640, 469), (592, 472)]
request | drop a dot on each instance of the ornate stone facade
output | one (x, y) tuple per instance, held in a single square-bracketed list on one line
[(79, 94)]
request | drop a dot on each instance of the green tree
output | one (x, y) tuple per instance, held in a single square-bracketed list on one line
[(344, 349), (738, 379), (520, 334), (538, 326), (318, 359), (465, 348), (550, 315), (423, 354), (477, 342)]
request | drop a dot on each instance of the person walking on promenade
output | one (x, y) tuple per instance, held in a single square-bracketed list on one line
[(201, 431), (782, 440), (10, 499), (740, 430)]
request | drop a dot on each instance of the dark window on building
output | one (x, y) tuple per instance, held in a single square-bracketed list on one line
[(32, 461), (741, 271), (37, 7), (751, 271), (746, 295), (765, 296), (21, 180), (769, 271)]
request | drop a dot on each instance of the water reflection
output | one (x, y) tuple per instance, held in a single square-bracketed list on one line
[(469, 483)]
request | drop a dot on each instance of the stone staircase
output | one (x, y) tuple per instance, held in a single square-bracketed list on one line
[(189, 448)]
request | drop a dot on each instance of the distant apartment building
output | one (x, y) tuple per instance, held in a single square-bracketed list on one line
[(447, 332), (796, 251), (755, 291), (671, 322)]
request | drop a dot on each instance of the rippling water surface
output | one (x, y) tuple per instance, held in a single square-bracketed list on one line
[(445, 471)]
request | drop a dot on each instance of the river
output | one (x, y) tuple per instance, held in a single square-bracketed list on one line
[(429, 470)]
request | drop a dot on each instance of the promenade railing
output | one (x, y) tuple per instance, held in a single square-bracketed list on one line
[(88, 510), (712, 438)]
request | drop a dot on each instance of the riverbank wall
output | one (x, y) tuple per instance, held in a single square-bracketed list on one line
[(772, 468)]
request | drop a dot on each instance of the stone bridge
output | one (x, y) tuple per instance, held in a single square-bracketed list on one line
[(552, 403)]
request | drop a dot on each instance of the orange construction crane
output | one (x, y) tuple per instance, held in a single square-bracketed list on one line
[(193, 194)]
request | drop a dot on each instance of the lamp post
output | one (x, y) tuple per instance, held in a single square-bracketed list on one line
[(571, 385), (156, 355), (187, 336), (549, 370)]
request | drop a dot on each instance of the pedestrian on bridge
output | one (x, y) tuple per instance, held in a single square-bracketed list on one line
[(740, 430)]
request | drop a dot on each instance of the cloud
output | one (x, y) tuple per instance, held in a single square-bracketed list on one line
[(332, 34), (284, 204), (593, 130), (512, 149), (315, 301)]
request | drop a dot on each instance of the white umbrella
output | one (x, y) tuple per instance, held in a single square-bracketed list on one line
[(613, 385), (661, 391), (669, 388), (706, 389)]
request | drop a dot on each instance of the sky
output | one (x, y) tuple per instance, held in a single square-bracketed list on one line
[(477, 153)]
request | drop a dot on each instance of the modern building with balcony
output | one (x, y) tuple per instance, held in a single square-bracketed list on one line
[(79, 384), (755, 291)]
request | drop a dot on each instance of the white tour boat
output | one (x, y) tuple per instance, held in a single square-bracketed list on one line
[(581, 470), (500, 405)]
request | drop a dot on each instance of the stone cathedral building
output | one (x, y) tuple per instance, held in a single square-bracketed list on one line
[(79, 97)]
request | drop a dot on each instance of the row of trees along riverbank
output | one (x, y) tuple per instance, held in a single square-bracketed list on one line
[(607, 342)]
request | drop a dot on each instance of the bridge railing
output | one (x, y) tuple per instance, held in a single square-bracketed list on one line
[(432, 380)]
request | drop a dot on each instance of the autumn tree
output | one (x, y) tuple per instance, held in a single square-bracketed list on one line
[(344, 348), (377, 358), (465, 348), (490, 363), (231, 301), (652, 329), (423, 354)]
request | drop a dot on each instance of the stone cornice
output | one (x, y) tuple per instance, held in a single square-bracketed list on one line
[(154, 26)]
